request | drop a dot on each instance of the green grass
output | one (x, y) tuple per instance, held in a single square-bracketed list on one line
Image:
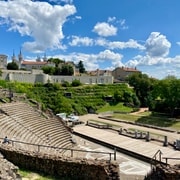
[(117, 107), (126, 117), (150, 119), (33, 175)]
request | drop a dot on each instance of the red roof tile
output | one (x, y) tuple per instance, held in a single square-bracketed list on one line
[(33, 63)]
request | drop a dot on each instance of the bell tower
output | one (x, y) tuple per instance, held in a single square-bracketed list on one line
[(20, 57)]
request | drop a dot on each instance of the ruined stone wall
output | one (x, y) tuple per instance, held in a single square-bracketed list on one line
[(163, 172), (80, 169), (8, 170)]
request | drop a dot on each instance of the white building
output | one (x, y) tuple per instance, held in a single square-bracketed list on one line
[(3, 61)]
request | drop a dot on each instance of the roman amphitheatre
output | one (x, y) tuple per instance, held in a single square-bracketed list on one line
[(43, 142)]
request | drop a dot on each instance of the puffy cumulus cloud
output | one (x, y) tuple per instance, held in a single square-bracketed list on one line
[(160, 66), (81, 41), (86, 41), (122, 45), (119, 44), (109, 55), (105, 29), (148, 60), (157, 45), (39, 20)]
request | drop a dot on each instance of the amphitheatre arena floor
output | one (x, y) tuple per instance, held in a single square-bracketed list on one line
[(130, 168)]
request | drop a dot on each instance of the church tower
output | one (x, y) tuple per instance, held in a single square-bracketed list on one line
[(13, 58), (38, 59), (20, 57), (45, 58)]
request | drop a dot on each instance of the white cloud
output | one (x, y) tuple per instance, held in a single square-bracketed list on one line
[(157, 45), (123, 25), (86, 41), (178, 43), (109, 55), (59, 1), (105, 29), (122, 45), (157, 49), (39, 20), (94, 61), (78, 41), (78, 17), (101, 42), (131, 43), (111, 19), (160, 66)]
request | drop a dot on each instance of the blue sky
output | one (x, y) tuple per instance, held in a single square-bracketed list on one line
[(104, 34)]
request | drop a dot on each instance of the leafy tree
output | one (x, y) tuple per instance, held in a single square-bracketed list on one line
[(76, 83), (67, 70), (56, 61), (12, 66), (142, 85), (48, 70), (81, 67), (166, 96), (66, 84)]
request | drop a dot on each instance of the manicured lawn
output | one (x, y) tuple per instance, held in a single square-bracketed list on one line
[(150, 120), (117, 107)]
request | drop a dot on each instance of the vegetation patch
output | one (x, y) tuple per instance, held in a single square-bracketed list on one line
[(28, 175)]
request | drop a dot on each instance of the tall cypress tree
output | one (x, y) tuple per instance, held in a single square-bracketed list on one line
[(81, 67)]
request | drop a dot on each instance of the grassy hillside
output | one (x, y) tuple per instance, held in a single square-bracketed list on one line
[(80, 100)]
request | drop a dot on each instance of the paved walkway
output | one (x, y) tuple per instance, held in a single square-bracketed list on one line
[(141, 147)]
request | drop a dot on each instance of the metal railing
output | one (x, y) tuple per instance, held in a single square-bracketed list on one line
[(40, 148), (166, 159), (159, 154), (154, 159)]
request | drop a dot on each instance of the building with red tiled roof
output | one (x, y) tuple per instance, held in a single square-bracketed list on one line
[(29, 65), (121, 73), (99, 72)]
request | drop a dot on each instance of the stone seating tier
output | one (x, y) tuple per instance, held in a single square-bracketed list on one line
[(21, 122)]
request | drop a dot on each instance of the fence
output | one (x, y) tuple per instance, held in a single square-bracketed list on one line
[(158, 158), (40, 148)]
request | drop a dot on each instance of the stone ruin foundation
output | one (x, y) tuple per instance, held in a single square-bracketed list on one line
[(61, 167)]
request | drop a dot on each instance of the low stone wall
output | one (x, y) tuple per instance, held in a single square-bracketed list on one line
[(163, 172), (80, 169)]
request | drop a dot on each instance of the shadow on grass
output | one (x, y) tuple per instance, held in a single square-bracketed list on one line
[(156, 121)]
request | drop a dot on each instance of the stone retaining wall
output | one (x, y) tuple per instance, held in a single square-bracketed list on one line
[(80, 169), (163, 172)]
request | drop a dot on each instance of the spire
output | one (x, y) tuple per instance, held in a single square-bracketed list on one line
[(20, 56), (38, 59), (13, 57), (45, 58)]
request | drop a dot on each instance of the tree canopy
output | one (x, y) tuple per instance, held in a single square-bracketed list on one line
[(142, 85), (166, 96), (56, 61), (12, 66), (81, 67)]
